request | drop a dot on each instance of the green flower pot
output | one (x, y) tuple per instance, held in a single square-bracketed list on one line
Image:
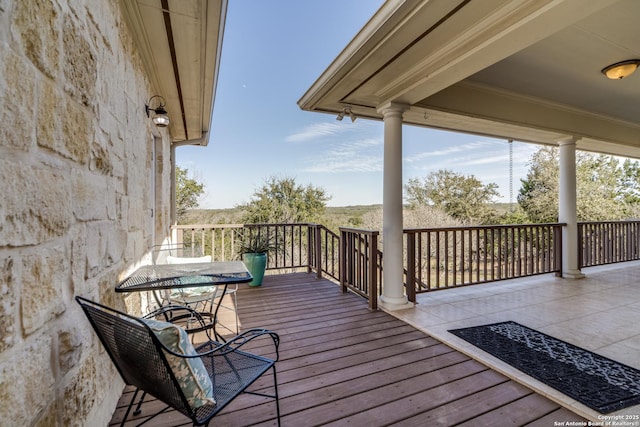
[(256, 264)]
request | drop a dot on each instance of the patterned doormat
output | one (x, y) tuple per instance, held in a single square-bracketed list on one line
[(600, 383)]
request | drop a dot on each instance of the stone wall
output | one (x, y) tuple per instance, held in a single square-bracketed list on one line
[(76, 207)]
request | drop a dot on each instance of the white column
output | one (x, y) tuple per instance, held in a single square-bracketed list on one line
[(393, 296), (567, 211)]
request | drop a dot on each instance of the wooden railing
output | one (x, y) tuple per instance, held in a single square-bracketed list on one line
[(435, 258), (440, 258), (297, 246), (360, 261), (325, 252), (608, 242), (221, 241)]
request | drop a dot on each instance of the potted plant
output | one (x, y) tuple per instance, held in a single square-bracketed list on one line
[(254, 246)]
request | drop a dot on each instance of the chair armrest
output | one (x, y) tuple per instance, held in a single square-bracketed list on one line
[(167, 312), (213, 348)]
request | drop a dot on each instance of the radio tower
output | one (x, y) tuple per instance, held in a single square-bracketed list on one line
[(511, 174)]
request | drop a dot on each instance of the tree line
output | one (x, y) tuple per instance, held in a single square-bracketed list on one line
[(607, 189)]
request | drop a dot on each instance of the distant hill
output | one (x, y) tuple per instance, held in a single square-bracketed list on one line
[(340, 210), (340, 215), (348, 216), (211, 216)]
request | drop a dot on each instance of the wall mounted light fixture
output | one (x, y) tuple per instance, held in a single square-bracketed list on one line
[(620, 70), (160, 117), (346, 111)]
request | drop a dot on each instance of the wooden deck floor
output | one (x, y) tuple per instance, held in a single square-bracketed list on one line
[(341, 364)]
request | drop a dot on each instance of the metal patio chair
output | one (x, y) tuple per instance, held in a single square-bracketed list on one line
[(202, 299), (146, 356)]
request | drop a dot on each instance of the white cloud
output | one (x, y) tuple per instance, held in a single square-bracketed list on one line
[(486, 159), (341, 165), (352, 156), (354, 146), (334, 129), (315, 131), (449, 150)]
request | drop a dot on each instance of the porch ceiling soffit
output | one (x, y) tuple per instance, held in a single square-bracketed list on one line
[(180, 43), (438, 56)]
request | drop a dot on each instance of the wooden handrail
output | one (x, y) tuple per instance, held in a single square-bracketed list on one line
[(441, 258), (359, 263), (435, 258), (607, 242), (298, 245)]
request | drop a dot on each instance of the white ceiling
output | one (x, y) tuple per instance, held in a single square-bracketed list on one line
[(180, 44), (565, 67), (523, 70)]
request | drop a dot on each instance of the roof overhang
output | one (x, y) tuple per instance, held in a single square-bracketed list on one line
[(527, 70), (180, 43)]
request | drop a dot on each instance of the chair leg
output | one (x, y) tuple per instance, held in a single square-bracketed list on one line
[(133, 399), (273, 396), (275, 385), (234, 307), (235, 310), (138, 408)]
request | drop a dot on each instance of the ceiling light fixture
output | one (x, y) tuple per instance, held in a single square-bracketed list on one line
[(620, 70), (348, 112), (160, 118)]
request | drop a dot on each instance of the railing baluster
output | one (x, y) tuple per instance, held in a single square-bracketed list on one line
[(438, 260), (446, 259), (477, 266), (497, 254), (411, 266), (213, 244), (471, 263), (429, 268), (451, 265)]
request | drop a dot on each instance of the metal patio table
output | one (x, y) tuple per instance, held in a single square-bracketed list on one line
[(174, 276)]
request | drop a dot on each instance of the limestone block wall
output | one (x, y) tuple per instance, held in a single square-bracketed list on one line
[(76, 154)]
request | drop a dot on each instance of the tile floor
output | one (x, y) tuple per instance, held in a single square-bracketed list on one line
[(600, 313)]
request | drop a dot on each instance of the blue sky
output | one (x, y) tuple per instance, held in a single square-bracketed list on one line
[(273, 51)]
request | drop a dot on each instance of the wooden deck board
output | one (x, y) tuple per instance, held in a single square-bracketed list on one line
[(342, 364), (469, 407), (517, 412)]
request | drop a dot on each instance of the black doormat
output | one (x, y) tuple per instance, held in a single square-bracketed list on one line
[(600, 383)]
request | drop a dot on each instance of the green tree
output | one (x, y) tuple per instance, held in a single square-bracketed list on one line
[(281, 200), (630, 183), (538, 195), (513, 216), (601, 189), (462, 197), (188, 190), (599, 195)]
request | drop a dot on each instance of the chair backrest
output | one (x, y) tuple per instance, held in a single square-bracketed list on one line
[(136, 353), (159, 254)]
